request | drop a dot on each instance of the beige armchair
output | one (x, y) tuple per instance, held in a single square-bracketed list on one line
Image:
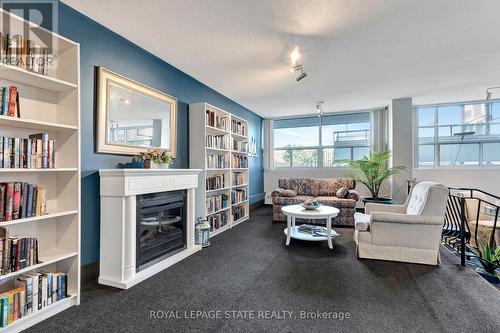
[(409, 232)]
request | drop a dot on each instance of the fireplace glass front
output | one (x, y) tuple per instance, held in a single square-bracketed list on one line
[(161, 226)]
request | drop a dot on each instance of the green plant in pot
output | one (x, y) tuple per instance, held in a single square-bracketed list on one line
[(489, 258), (154, 159), (372, 171)]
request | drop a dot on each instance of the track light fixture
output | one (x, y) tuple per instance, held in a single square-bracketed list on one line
[(296, 66), (319, 108), (489, 92)]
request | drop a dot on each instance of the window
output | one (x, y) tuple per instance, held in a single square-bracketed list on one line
[(461, 134), (296, 142), (326, 141)]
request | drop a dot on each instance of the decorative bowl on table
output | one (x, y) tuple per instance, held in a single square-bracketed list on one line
[(311, 204)]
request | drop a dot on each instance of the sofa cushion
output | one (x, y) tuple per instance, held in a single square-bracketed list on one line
[(285, 201), (330, 186), (279, 192), (336, 202), (342, 192), (303, 186), (361, 221)]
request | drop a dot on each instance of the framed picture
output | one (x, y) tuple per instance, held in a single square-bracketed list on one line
[(133, 118)]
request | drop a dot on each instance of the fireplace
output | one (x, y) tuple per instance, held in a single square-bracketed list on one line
[(147, 222), (161, 226)]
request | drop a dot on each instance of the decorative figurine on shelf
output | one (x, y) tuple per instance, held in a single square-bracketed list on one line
[(154, 159), (202, 232)]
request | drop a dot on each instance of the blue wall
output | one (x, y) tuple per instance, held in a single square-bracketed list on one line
[(100, 46)]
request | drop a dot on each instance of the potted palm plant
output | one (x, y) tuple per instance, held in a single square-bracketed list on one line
[(490, 260), (372, 171)]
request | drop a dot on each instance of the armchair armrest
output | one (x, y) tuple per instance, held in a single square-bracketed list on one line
[(376, 207), (404, 218)]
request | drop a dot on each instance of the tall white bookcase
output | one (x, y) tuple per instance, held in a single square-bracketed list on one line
[(50, 104), (232, 147)]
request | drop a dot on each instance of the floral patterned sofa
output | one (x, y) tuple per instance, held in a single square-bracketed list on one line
[(293, 191)]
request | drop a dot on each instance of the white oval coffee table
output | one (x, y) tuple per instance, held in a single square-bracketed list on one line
[(297, 211)]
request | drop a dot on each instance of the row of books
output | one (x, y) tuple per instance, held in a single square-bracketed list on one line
[(238, 127), (17, 50), (217, 161), (214, 120), (22, 200), (37, 151), (240, 146), (217, 220), (9, 99), (215, 182), (215, 203), (238, 195), (33, 292), (217, 141), (239, 161), (16, 252), (238, 212), (238, 178)]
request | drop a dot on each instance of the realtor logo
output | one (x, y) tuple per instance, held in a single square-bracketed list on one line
[(28, 43)]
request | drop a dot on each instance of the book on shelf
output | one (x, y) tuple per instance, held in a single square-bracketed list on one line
[(18, 252), (216, 203), (314, 230), (217, 161), (22, 200), (17, 50), (238, 127), (238, 178), (217, 221), (215, 182), (32, 292), (9, 102), (214, 120), (239, 161), (217, 141), (240, 146), (36, 151), (238, 212), (238, 195)]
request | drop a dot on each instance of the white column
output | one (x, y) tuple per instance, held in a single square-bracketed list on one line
[(401, 144), (190, 218)]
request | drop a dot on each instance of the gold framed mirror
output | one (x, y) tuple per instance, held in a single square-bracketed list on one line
[(133, 118)]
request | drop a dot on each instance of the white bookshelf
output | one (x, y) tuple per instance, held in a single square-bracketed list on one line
[(49, 104), (199, 129)]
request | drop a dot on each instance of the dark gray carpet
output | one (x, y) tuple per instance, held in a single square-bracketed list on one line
[(250, 269)]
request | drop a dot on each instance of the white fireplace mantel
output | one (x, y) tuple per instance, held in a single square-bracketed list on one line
[(119, 188)]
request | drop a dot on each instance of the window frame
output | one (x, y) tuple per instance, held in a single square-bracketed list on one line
[(436, 143), (320, 148)]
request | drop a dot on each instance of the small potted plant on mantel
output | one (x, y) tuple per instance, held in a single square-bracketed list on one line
[(490, 260), (154, 159), (374, 171)]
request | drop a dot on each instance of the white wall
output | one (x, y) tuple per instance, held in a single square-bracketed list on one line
[(486, 179)]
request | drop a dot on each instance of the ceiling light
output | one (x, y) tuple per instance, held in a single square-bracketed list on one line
[(295, 56), (319, 108)]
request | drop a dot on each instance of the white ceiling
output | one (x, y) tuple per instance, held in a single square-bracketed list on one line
[(358, 54)]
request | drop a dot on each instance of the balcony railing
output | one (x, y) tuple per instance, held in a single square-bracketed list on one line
[(351, 136), (471, 218)]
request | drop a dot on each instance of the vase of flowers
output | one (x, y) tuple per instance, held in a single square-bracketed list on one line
[(154, 159)]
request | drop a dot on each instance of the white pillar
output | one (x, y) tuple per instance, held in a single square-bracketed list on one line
[(401, 144), (130, 239)]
